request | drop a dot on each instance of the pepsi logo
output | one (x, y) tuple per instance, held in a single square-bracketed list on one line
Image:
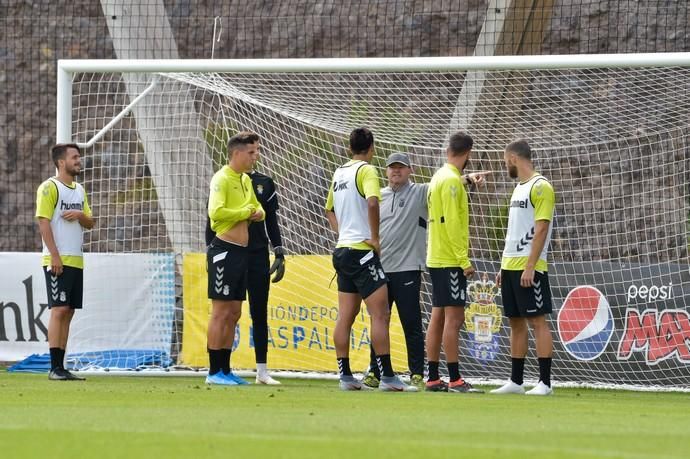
[(585, 323)]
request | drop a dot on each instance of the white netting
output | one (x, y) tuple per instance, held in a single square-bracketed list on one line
[(613, 142)]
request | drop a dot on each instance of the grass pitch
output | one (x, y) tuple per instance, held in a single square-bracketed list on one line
[(130, 417)]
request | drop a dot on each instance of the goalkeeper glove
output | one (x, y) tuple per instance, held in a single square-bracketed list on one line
[(278, 266)]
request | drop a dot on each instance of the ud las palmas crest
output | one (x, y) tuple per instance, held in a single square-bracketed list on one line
[(483, 319)]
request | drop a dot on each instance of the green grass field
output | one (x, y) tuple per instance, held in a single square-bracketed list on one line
[(130, 417)]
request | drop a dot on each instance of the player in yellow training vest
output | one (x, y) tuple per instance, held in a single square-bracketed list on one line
[(449, 264), (523, 277), (352, 209), (232, 205), (63, 212)]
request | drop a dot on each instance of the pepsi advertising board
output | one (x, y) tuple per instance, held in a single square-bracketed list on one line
[(612, 323), (585, 323)]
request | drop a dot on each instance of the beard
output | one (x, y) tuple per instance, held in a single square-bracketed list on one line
[(73, 171), (512, 172)]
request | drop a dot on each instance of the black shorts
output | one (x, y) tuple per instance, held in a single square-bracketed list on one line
[(67, 289), (448, 286), (521, 301), (227, 270), (359, 271)]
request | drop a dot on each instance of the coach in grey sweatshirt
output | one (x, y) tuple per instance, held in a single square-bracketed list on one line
[(403, 213)]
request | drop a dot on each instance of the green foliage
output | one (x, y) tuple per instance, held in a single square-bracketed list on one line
[(388, 120), (320, 143), (216, 136), (498, 224), (399, 125), (140, 189), (394, 124), (315, 145), (423, 174), (359, 112)]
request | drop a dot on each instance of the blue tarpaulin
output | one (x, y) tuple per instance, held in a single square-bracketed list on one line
[(118, 359)]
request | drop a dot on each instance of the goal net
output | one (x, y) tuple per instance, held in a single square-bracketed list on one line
[(611, 133)]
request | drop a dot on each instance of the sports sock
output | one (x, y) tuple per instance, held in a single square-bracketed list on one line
[(385, 365), (55, 361), (545, 370), (453, 371), (215, 361), (344, 366), (433, 371), (261, 369), (517, 370), (225, 363), (61, 358)]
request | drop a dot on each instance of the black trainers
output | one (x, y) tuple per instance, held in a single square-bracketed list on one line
[(72, 377), (59, 374), (436, 386), (463, 386)]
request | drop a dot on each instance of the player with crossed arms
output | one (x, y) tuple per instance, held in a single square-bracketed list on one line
[(63, 212), (232, 206)]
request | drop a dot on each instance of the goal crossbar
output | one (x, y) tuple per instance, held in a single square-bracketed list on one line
[(378, 64), (67, 67)]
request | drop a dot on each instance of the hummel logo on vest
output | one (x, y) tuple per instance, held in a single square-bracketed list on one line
[(525, 240), (520, 203), (70, 205)]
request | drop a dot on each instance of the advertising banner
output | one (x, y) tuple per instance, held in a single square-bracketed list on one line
[(613, 323), (129, 302), (302, 310)]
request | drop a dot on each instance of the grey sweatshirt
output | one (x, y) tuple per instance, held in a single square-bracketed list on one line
[(403, 228)]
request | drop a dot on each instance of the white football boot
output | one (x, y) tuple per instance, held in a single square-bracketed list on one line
[(265, 378), (509, 388), (540, 389)]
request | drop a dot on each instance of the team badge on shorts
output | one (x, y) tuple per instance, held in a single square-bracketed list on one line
[(483, 319)]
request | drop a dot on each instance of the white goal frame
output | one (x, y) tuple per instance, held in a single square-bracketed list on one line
[(66, 69)]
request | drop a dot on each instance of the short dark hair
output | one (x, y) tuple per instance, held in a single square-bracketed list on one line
[(241, 138), (60, 149), (460, 143), (361, 139), (521, 148)]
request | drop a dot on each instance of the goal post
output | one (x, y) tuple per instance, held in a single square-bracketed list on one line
[(611, 132)]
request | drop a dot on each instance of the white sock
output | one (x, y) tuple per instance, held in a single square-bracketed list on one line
[(261, 369)]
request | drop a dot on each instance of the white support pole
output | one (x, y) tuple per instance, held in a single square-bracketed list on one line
[(125, 111), (473, 84), (64, 106)]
